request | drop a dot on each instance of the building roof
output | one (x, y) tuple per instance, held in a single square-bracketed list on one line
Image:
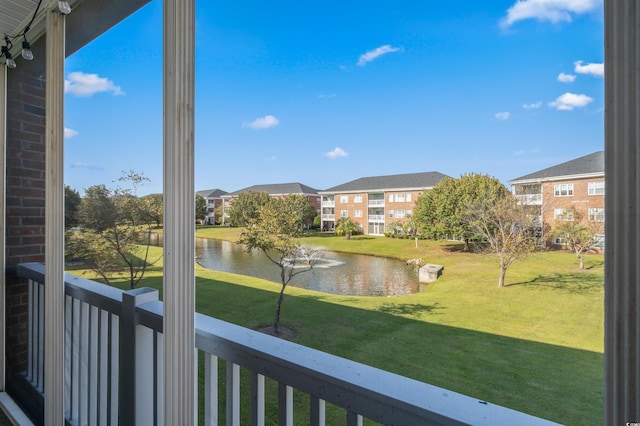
[(392, 182), (278, 189), (212, 193), (588, 165)]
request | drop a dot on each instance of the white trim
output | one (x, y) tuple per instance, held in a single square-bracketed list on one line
[(54, 221), (556, 178), (375, 191), (11, 410)]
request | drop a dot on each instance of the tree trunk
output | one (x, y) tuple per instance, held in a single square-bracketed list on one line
[(503, 272), (276, 320), (466, 244), (416, 242), (581, 262)]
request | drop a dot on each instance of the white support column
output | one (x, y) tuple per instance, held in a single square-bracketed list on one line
[(3, 197), (54, 222), (622, 166), (179, 212)]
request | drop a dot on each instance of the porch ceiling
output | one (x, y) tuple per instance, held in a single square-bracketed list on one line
[(88, 19)]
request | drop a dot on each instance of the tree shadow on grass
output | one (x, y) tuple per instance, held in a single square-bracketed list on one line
[(408, 309), (578, 282)]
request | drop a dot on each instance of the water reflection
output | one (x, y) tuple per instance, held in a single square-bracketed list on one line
[(337, 273)]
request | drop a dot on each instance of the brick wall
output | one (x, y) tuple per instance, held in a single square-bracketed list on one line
[(25, 196), (580, 200)]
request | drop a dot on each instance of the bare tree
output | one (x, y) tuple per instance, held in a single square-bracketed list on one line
[(274, 230), (580, 237), (505, 227)]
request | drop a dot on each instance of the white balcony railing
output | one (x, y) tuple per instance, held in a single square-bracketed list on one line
[(530, 199), (113, 370), (328, 217), (376, 218), (328, 204), (375, 203)]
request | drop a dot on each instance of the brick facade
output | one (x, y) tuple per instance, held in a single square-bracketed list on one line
[(25, 192), (580, 201)]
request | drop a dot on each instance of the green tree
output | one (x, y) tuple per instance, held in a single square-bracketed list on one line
[(302, 209), (275, 230), (244, 208), (505, 227), (201, 208), (115, 230), (580, 237), (346, 227), (440, 212), (72, 201), (153, 205)]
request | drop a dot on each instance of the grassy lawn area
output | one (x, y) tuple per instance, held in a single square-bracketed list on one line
[(534, 346)]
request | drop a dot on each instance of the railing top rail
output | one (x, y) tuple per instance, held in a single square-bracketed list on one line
[(376, 394), (103, 296)]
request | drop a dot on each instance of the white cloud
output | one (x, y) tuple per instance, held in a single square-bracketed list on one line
[(336, 153), (569, 101), (69, 133), (81, 165), (272, 158), (593, 69), (547, 10), (263, 122), (376, 53), (534, 105), (326, 96), (81, 84), (566, 78), (503, 115)]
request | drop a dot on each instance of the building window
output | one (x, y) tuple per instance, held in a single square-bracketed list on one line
[(391, 198), (344, 213), (392, 213), (357, 198), (357, 213), (563, 190), (599, 241), (399, 198), (563, 214), (596, 188), (344, 198), (400, 214), (596, 214), (408, 198)]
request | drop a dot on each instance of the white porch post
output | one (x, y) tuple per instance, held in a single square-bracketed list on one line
[(54, 222), (622, 166), (179, 212), (3, 197)]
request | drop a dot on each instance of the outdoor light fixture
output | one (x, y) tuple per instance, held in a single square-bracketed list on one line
[(27, 53), (8, 57), (63, 7), (26, 50)]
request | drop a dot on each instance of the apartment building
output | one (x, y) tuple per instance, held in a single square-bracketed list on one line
[(558, 192), (375, 202), (274, 190), (213, 197)]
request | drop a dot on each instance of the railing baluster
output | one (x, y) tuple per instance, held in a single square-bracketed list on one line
[(83, 390), (285, 404), (233, 394), (257, 398), (93, 359), (353, 419), (68, 321), (316, 411), (114, 369), (75, 358), (210, 389), (40, 375), (30, 343)]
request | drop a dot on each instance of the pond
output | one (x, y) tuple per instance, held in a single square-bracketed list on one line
[(336, 273)]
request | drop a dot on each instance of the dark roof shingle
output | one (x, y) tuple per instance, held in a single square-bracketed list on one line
[(592, 163), (403, 181), (278, 189)]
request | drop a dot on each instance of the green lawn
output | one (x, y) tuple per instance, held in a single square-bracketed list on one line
[(535, 345)]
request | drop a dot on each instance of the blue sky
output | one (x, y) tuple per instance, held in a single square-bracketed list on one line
[(325, 92)]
